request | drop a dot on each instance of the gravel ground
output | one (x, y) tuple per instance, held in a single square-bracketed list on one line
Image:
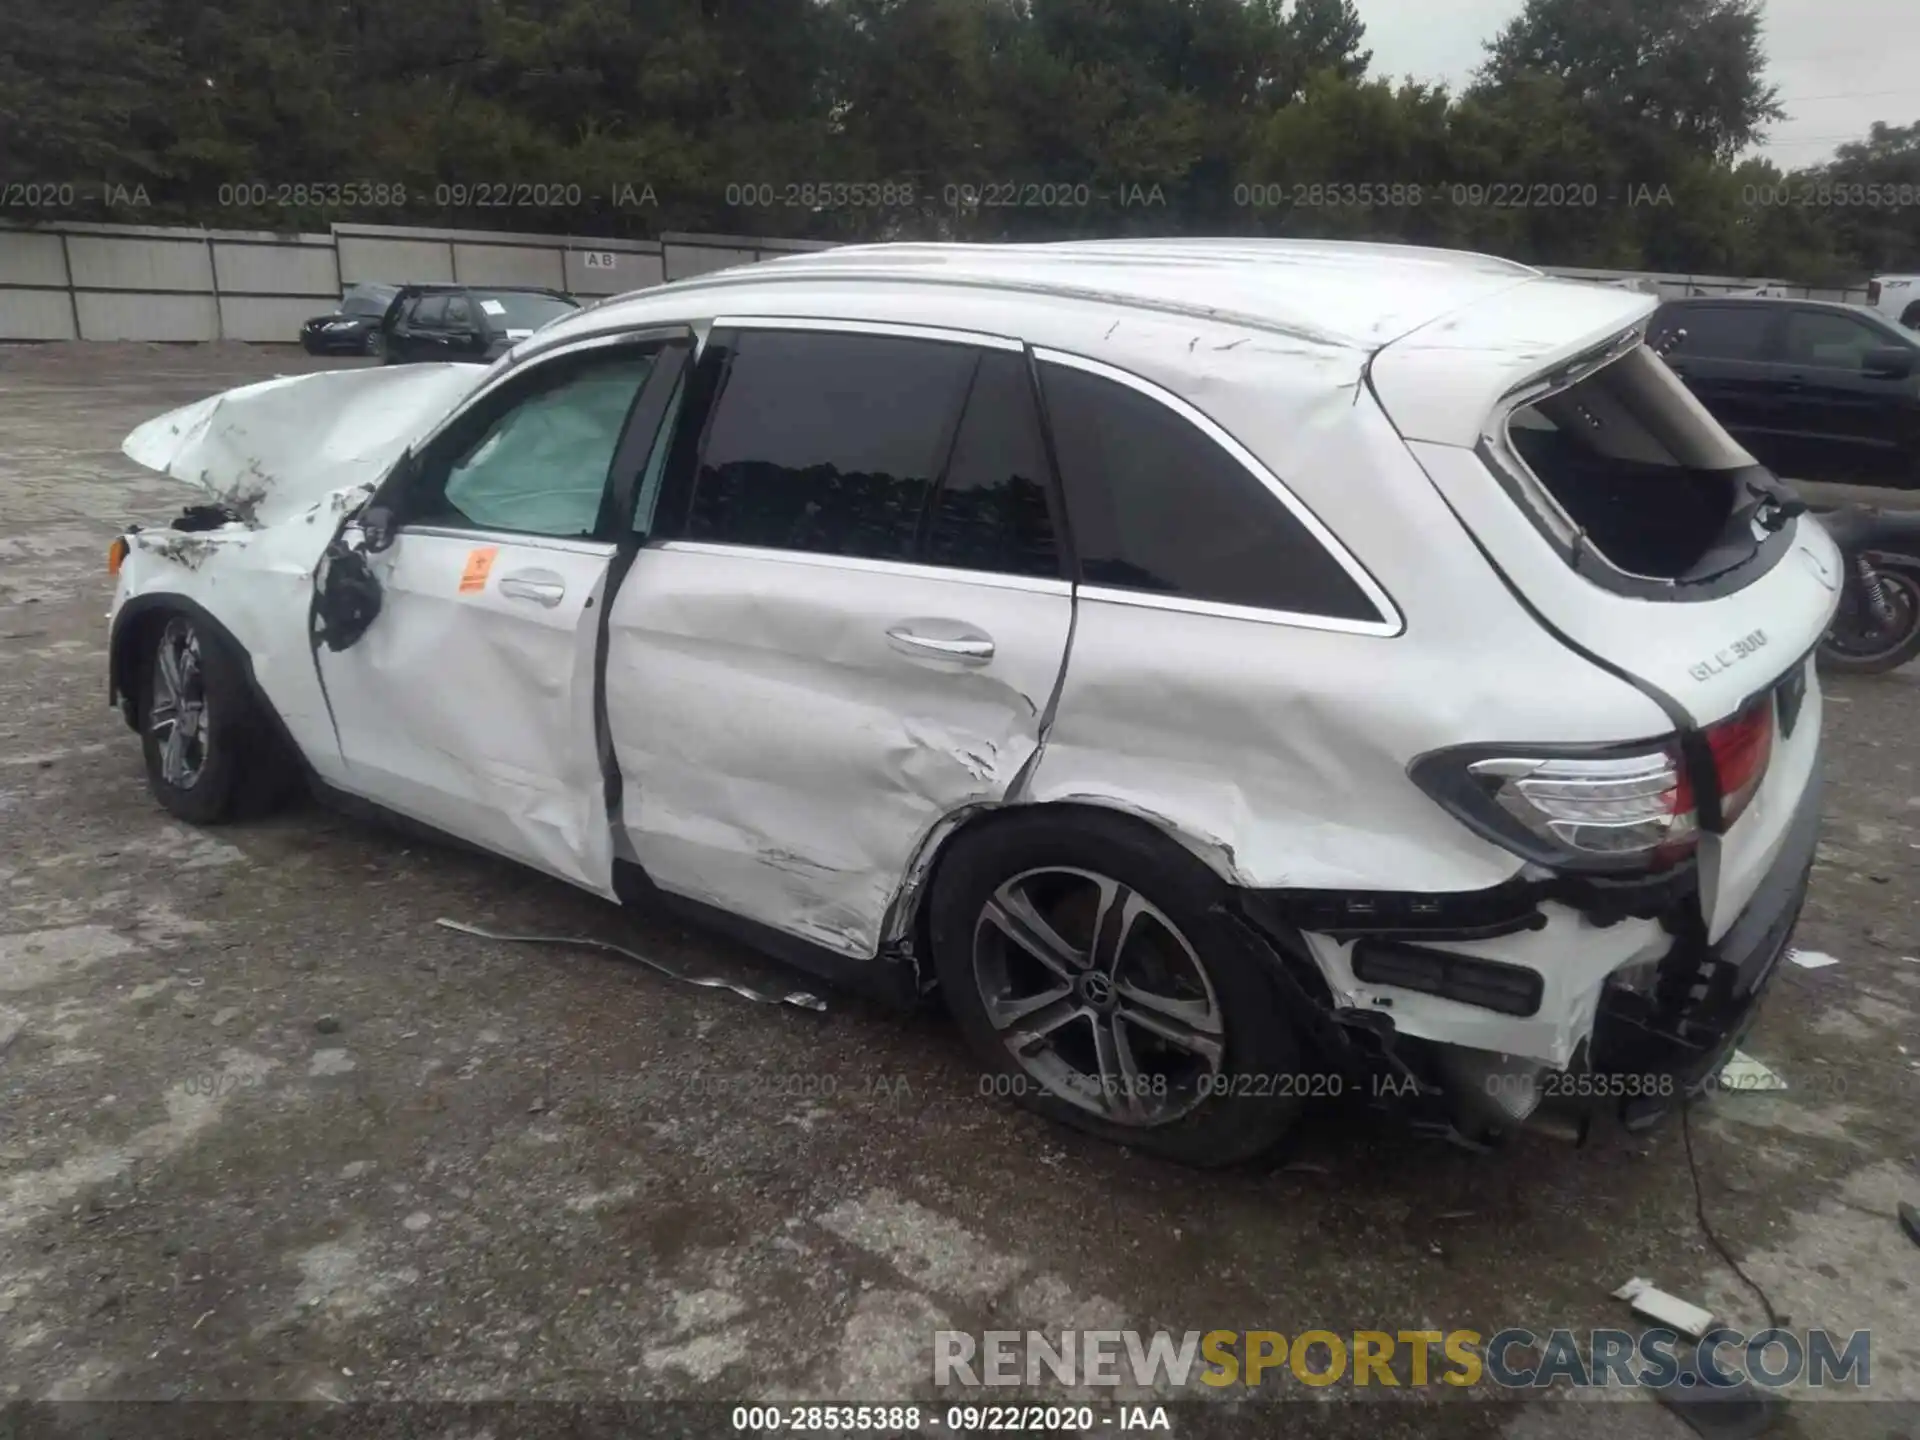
[(269, 1134)]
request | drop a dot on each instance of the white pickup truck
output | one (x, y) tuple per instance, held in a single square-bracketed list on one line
[(1897, 297)]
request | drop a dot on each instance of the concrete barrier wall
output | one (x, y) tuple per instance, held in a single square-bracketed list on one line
[(133, 315), (299, 267), (38, 315), (131, 282), (33, 258), (592, 271)]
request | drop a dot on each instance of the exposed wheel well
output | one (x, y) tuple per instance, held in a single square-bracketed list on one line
[(917, 925), (1296, 974), (136, 630)]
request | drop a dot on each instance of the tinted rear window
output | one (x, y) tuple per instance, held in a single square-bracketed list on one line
[(828, 443), (990, 512)]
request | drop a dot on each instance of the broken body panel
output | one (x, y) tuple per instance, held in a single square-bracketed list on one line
[(775, 757)]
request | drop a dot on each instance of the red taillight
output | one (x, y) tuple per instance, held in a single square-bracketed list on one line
[(1741, 749), (1626, 807)]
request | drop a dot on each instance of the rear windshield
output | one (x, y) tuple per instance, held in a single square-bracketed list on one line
[(1638, 483), (519, 311)]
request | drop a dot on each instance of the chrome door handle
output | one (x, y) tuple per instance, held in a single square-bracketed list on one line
[(975, 648), (543, 587)]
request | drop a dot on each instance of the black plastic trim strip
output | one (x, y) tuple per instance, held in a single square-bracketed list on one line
[(637, 444), (1056, 484), (1466, 979), (880, 978)]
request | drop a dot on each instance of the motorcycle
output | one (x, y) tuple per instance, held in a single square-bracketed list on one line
[(1877, 628)]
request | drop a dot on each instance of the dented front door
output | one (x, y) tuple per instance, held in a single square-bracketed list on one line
[(469, 701)]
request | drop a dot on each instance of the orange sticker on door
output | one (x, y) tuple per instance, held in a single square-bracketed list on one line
[(479, 566)]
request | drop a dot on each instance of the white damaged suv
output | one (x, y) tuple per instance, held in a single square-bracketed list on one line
[(1228, 672)]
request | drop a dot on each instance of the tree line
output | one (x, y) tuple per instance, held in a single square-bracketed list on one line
[(1610, 133)]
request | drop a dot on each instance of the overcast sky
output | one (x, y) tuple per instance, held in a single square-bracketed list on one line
[(1840, 64)]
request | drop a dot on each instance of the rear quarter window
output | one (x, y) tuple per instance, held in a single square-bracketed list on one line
[(1156, 504)]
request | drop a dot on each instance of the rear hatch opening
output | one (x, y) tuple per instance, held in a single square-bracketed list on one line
[(1636, 485)]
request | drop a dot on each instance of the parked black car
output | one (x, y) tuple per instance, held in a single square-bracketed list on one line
[(1813, 390), (466, 322), (354, 327)]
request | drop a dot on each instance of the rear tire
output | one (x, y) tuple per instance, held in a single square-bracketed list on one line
[(209, 754), (1132, 1007)]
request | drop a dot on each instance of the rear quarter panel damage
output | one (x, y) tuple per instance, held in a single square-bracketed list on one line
[(1281, 750)]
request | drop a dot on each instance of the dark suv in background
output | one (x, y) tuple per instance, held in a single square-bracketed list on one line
[(1814, 390), (354, 327), (467, 322)]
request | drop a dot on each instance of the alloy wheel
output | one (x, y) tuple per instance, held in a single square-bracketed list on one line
[(1098, 996), (178, 718)]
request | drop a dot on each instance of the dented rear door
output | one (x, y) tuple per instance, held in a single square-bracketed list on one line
[(848, 626)]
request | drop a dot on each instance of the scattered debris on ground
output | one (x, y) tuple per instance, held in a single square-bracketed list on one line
[(1652, 1303)]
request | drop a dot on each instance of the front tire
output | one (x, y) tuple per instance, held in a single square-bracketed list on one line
[(375, 345), (208, 756), (1091, 966)]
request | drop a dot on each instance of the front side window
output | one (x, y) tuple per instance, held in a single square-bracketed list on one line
[(430, 310), (829, 443), (541, 466), (459, 313), (1826, 340), (1156, 504)]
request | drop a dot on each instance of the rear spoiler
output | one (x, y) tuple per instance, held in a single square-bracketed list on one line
[(1443, 381)]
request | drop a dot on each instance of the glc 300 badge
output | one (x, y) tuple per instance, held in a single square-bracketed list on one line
[(1731, 656)]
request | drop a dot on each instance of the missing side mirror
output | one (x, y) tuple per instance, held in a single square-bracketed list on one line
[(347, 599)]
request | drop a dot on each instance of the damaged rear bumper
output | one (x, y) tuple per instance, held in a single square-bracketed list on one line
[(1704, 998), (1563, 1001)]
